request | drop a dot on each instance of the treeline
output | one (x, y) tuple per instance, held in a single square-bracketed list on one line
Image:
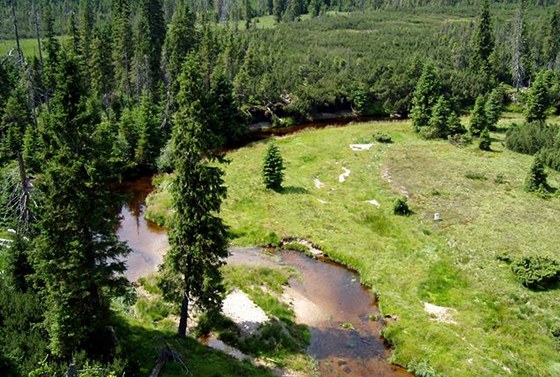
[(74, 120)]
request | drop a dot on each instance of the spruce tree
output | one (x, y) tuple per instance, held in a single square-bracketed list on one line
[(485, 140), (181, 38), (273, 168), (198, 237), (424, 98), (484, 38), (536, 179), (150, 36), (123, 48), (229, 123), (77, 256), (551, 45), (454, 124), (538, 98), (478, 121), (439, 126), (493, 107)]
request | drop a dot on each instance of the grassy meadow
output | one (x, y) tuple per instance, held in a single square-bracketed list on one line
[(500, 327)]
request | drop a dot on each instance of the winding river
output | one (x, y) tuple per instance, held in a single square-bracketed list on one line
[(342, 315)]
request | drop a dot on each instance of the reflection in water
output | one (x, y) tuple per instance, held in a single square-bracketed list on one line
[(147, 240), (333, 293)]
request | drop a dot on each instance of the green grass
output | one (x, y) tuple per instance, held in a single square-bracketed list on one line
[(28, 46), (502, 328)]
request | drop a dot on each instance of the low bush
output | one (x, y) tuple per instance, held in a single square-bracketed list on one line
[(400, 207), (382, 138), (536, 272)]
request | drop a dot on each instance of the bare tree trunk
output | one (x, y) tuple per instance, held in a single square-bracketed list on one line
[(184, 310), (20, 52), (37, 35)]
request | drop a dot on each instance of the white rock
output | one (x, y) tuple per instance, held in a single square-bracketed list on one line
[(361, 147)]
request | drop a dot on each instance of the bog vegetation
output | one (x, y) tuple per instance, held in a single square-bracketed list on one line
[(95, 92)]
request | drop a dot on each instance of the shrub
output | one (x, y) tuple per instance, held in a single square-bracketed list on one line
[(536, 272), (400, 207), (529, 138), (382, 138), (475, 176)]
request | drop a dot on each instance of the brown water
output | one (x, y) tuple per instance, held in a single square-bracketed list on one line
[(326, 297), (147, 240)]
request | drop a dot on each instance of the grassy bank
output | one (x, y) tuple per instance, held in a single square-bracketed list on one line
[(501, 327)]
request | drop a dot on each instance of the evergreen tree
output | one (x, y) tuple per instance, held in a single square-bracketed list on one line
[(150, 36), (229, 124), (122, 46), (485, 140), (551, 45), (538, 98), (198, 237), (484, 38), (536, 179), (77, 256), (440, 118), (454, 124), (101, 66), (493, 108), (424, 97), (273, 168), (478, 121), (181, 38), (17, 116), (52, 49)]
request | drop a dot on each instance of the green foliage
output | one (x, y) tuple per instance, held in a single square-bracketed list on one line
[(485, 141), (439, 122), (479, 120), (381, 137), (400, 207), (538, 98), (483, 38), (493, 107), (536, 178), (529, 138), (198, 237), (273, 166), (475, 176), (537, 272), (424, 98)]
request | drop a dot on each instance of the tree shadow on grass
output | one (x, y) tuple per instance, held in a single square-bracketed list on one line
[(294, 190)]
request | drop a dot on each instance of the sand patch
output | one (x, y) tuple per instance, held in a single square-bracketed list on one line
[(243, 311), (440, 313), (343, 176), (361, 147), (306, 310)]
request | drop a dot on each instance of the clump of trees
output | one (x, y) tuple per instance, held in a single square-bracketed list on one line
[(273, 168)]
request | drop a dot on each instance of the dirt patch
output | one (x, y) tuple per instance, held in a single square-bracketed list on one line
[(440, 313), (386, 175)]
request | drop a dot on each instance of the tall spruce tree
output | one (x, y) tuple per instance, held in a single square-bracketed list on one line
[(424, 98), (123, 47), (198, 237), (536, 178), (518, 66), (538, 98), (484, 38), (77, 256), (150, 36), (439, 122), (551, 45)]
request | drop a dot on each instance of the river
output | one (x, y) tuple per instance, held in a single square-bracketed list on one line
[(342, 315)]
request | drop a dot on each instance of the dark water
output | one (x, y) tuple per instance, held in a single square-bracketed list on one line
[(332, 295), (147, 240)]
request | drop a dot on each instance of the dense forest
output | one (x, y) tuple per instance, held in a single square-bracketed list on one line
[(96, 91)]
